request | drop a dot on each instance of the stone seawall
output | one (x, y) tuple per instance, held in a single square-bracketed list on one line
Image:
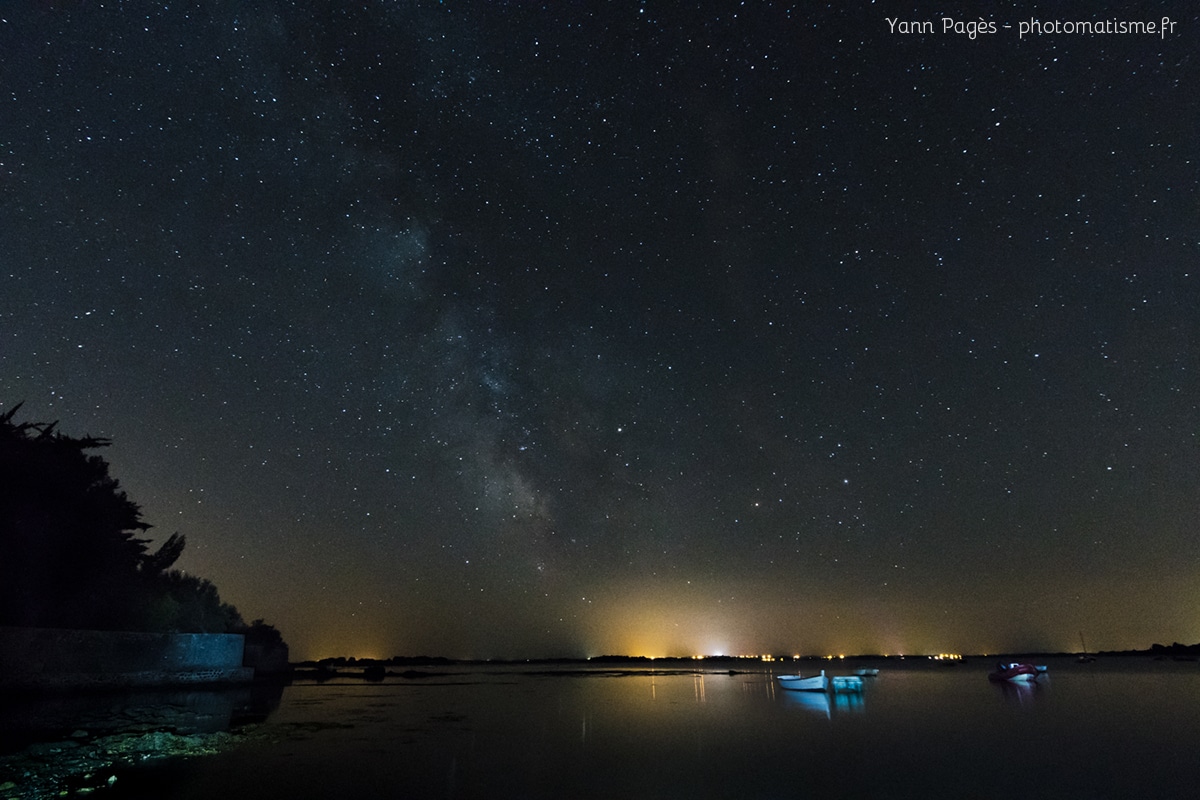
[(50, 658)]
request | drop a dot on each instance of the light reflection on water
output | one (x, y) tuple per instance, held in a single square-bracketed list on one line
[(914, 732)]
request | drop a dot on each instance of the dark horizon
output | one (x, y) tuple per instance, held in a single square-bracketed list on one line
[(1156, 649)]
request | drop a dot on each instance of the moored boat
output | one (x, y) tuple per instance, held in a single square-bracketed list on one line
[(1015, 672), (867, 672), (846, 684), (1084, 658), (798, 683)]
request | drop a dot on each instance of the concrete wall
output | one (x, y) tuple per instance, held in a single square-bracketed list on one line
[(53, 658)]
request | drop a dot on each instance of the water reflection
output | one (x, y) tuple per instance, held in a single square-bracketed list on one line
[(25, 719), (816, 702), (930, 733), (849, 702), (699, 691), (825, 704), (1021, 693)]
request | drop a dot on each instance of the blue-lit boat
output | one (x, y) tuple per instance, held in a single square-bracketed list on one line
[(846, 684), (798, 683)]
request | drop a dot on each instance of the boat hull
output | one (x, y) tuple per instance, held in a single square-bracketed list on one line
[(797, 683), (1015, 673)]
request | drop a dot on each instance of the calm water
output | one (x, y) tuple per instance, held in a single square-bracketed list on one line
[(1107, 730)]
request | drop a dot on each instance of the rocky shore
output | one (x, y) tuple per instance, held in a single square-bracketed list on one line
[(82, 764), (69, 745)]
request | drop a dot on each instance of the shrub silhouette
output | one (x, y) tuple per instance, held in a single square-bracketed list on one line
[(71, 552)]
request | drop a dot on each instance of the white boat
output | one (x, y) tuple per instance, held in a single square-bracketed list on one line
[(867, 672), (798, 683), (846, 684)]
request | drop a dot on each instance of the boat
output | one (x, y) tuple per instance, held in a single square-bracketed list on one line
[(798, 683), (1084, 658), (867, 672), (1015, 672), (846, 684), (837, 684)]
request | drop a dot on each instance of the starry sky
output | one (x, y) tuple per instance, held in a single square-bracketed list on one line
[(505, 330)]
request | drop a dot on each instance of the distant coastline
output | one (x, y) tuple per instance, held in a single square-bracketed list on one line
[(420, 666)]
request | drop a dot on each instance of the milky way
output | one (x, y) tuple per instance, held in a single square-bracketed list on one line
[(490, 330)]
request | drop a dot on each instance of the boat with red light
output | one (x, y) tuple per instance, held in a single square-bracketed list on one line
[(1016, 672)]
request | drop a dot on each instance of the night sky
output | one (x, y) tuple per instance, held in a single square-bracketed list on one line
[(511, 330)]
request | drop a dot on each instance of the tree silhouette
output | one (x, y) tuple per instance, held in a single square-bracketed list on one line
[(70, 548)]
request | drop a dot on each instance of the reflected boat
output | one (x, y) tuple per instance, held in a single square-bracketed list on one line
[(798, 683), (826, 703), (1019, 693), (849, 702), (817, 702), (1015, 672)]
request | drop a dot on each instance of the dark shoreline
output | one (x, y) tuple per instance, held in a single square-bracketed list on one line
[(1184, 652), (425, 668)]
